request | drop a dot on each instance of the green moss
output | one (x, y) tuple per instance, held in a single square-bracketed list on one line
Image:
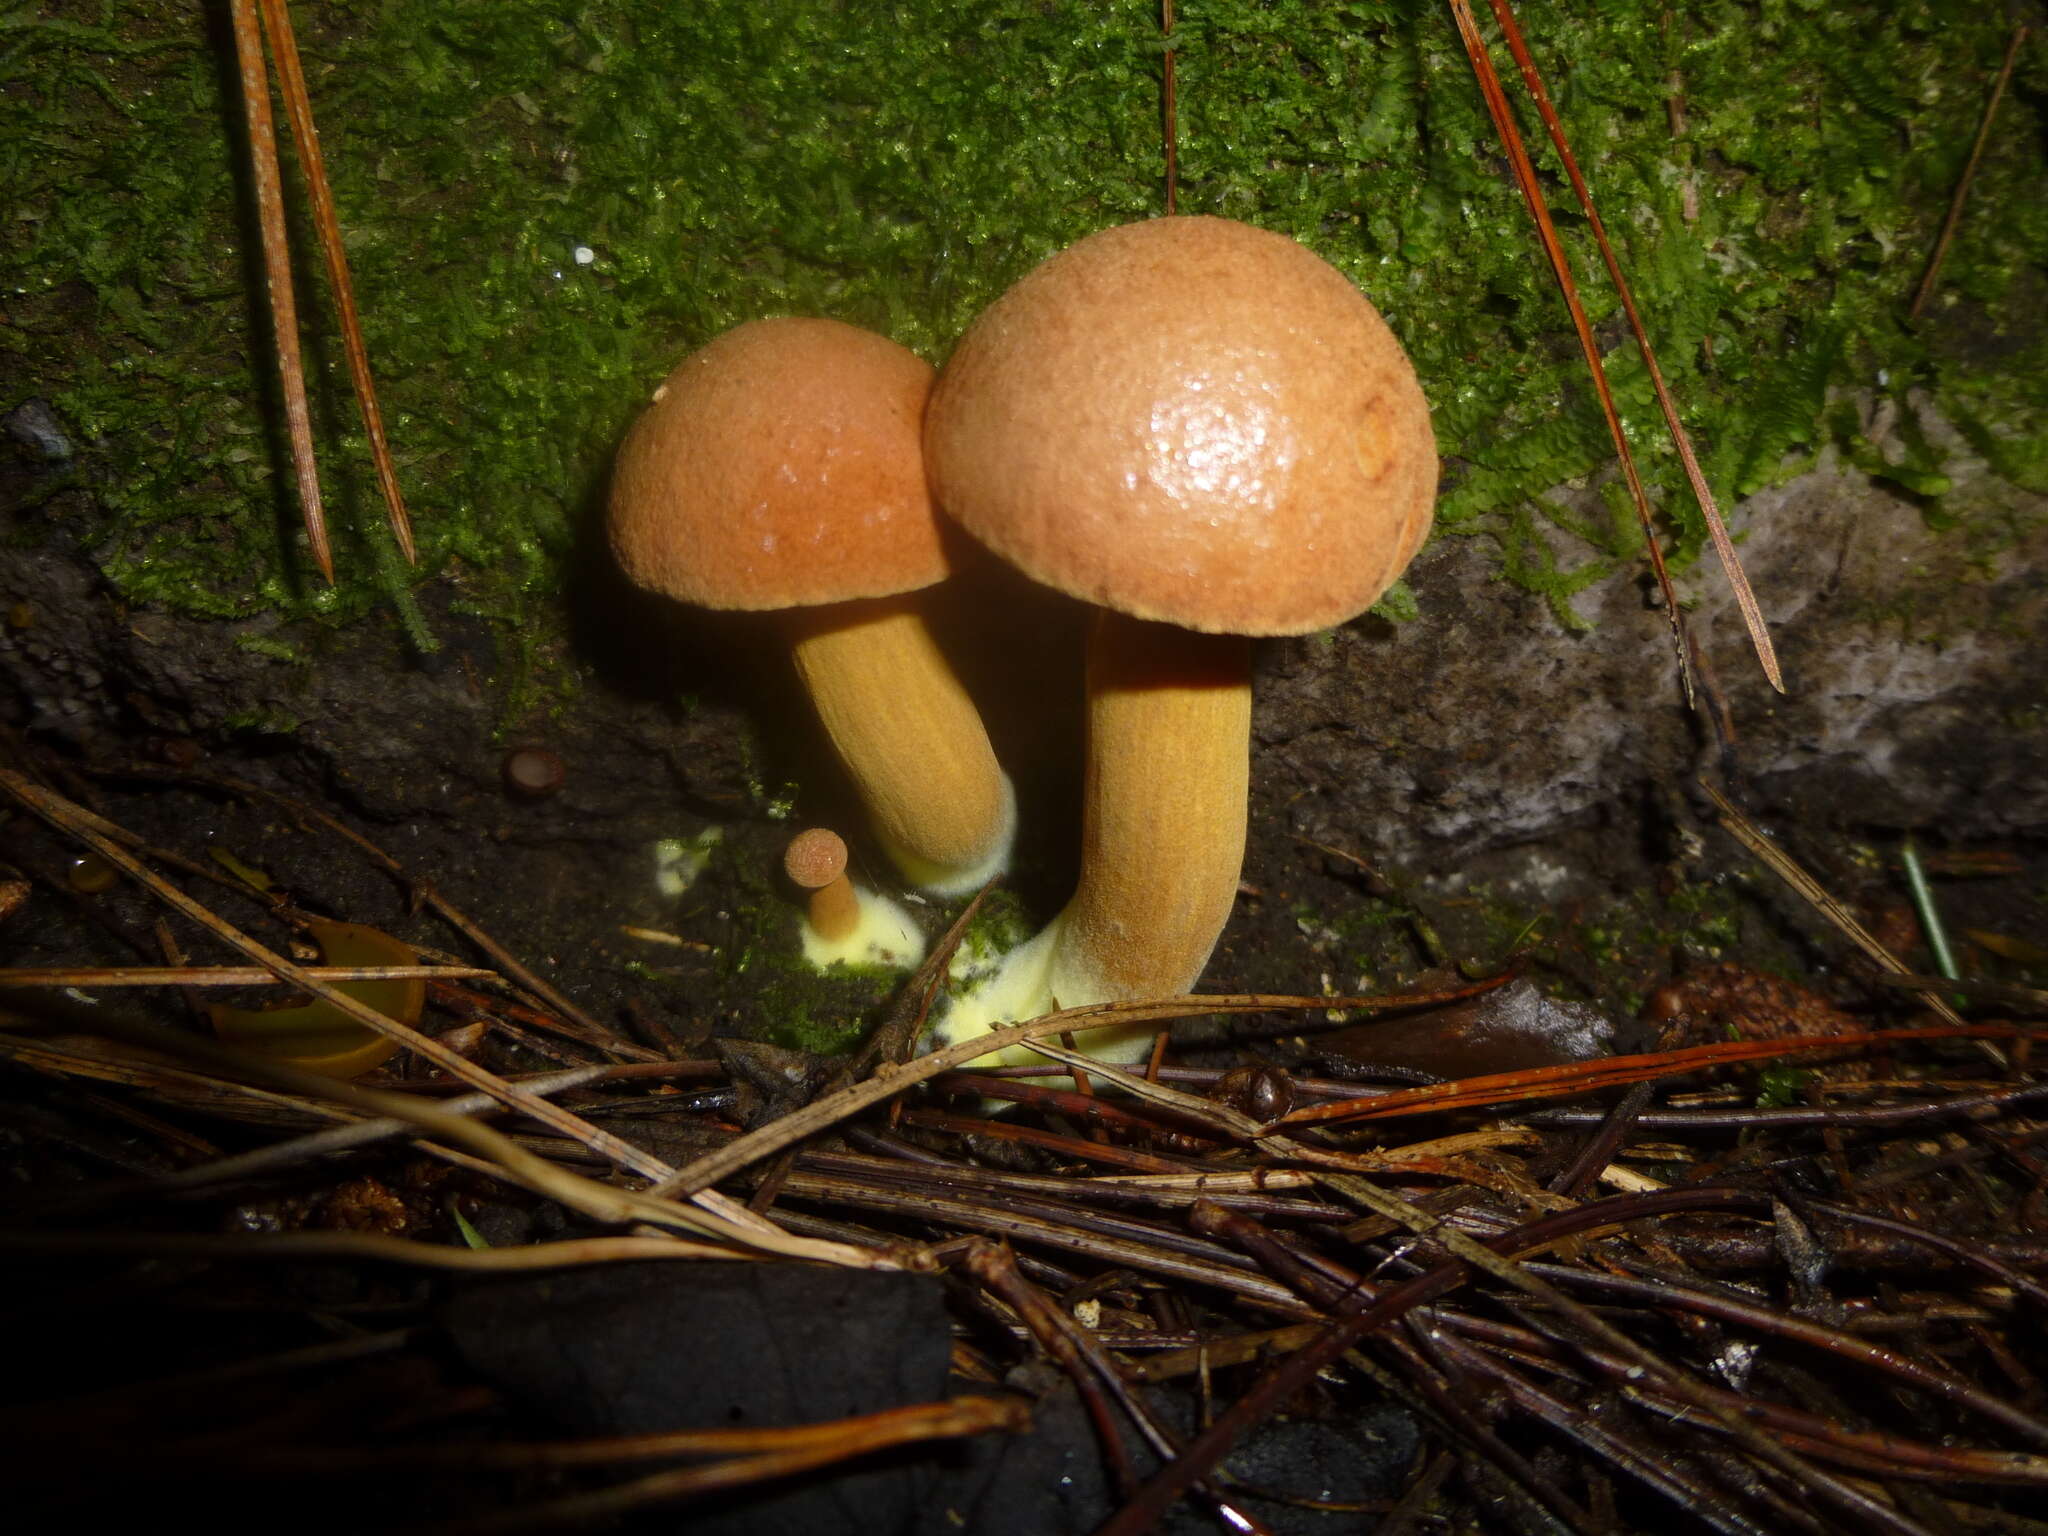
[(262, 720), (1002, 923), (1779, 1086), (269, 645), (897, 165)]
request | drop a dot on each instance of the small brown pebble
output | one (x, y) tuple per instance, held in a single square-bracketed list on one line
[(533, 772), (1668, 1002), (1264, 1093)]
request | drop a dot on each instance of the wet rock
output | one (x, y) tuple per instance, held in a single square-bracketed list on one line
[(34, 424), (1485, 722), (1510, 1029), (639, 1348)]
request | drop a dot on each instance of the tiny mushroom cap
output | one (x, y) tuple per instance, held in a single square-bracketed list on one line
[(1206, 430), (814, 858), (780, 468)]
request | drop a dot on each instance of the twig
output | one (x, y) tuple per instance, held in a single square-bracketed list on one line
[(721, 1216), (1086, 1363), (1058, 1335), (1361, 1318), (891, 1079), (296, 1246), (220, 975)]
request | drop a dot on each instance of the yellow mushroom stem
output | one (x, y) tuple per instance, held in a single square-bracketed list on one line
[(910, 738), (1162, 836), (1163, 829), (1162, 839)]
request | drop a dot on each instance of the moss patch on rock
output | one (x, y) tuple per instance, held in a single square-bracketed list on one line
[(545, 208)]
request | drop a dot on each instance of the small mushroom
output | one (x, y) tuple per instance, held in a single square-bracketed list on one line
[(844, 924), (1206, 430), (780, 468)]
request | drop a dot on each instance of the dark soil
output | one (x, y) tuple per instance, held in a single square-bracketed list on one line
[(1524, 799)]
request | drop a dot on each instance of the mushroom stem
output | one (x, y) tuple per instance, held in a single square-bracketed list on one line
[(1162, 838), (910, 738), (834, 910)]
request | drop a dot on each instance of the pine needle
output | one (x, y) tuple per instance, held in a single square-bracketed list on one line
[(1745, 599), (277, 23), (1532, 194), (277, 272), (1962, 193)]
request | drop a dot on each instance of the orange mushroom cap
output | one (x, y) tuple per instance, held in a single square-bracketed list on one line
[(1193, 421), (780, 466)]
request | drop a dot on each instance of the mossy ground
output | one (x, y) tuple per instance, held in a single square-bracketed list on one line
[(1774, 173)]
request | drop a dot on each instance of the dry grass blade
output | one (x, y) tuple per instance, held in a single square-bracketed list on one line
[(586, 1028), (277, 273), (1781, 864), (342, 1138), (1738, 582), (1104, 1240), (494, 1153), (1962, 193), (800, 1448), (294, 1246), (723, 1217), (890, 1079), (1532, 194), (222, 975), (966, 1414)]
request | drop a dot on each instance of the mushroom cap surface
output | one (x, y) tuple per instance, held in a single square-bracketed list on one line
[(1189, 420), (780, 466), (814, 858)]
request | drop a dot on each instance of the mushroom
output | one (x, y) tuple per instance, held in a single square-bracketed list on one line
[(1206, 430), (779, 468), (844, 924)]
